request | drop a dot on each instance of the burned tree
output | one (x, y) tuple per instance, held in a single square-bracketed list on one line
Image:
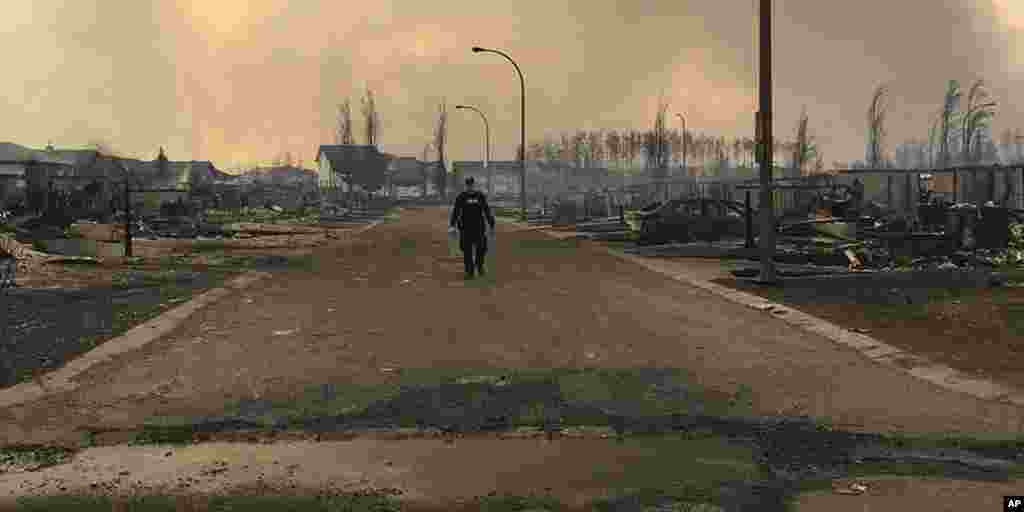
[(804, 148), (656, 148), (635, 144), (975, 123), (876, 128), (613, 145), (343, 134), (945, 123), (595, 145), (371, 119), (579, 149), (440, 138)]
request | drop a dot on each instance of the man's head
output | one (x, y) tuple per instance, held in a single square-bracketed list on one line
[(469, 183)]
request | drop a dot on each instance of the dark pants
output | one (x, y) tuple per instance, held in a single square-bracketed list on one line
[(474, 249)]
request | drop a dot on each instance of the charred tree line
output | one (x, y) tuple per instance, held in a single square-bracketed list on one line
[(661, 147), (436, 170), (344, 134), (345, 129), (959, 133)]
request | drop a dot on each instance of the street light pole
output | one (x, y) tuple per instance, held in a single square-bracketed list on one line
[(766, 143), (487, 148), (522, 129)]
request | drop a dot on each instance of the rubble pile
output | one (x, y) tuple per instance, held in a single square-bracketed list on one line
[(940, 237)]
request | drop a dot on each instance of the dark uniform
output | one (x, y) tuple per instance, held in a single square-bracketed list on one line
[(471, 215)]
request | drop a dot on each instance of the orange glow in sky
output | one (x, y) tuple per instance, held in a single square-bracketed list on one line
[(1013, 11), (225, 20)]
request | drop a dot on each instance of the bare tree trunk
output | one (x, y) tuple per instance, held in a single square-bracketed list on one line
[(371, 119), (947, 119), (344, 129), (440, 139), (876, 127), (975, 122)]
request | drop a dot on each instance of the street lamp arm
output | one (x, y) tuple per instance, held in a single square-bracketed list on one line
[(487, 141), (503, 54), (522, 128), (522, 81), (474, 109), (484, 118)]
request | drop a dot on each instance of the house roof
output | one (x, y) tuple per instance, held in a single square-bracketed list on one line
[(342, 153)]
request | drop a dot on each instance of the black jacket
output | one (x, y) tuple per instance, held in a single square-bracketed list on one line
[(471, 212)]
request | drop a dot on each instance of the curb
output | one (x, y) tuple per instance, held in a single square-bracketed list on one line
[(61, 380), (871, 348)]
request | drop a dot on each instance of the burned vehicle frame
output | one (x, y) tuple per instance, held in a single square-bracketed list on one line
[(686, 220)]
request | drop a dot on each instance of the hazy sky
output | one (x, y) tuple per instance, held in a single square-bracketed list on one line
[(244, 80)]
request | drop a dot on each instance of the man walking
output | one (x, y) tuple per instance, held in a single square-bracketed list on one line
[(471, 216)]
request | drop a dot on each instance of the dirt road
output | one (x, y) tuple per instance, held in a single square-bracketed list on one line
[(394, 299)]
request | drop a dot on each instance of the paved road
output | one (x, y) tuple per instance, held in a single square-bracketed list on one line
[(393, 298)]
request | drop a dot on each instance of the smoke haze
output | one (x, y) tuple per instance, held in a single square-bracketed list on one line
[(238, 81)]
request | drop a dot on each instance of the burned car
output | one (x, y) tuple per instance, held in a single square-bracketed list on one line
[(686, 220)]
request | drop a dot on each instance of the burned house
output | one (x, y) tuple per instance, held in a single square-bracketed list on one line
[(345, 168), (286, 186), (41, 179), (406, 177), (506, 175)]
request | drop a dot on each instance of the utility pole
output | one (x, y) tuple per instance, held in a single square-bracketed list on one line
[(766, 143)]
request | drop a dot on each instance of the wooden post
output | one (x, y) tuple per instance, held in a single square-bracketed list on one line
[(766, 144)]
